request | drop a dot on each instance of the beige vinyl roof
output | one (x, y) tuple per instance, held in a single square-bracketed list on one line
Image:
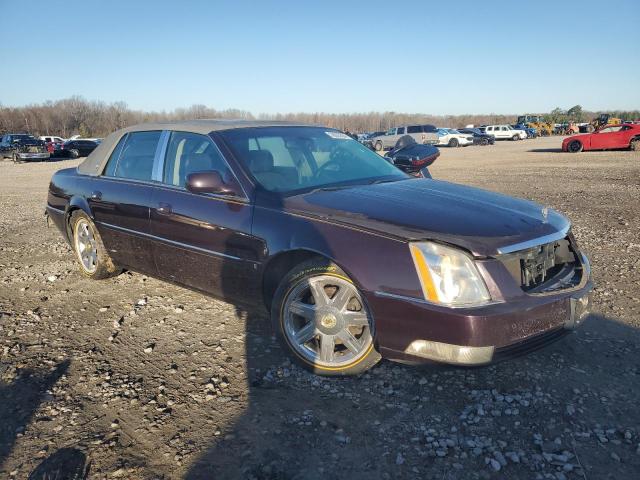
[(94, 163), (207, 125)]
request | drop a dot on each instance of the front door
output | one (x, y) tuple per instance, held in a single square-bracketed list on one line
[(607, 137), (203, 240), (121, 199)]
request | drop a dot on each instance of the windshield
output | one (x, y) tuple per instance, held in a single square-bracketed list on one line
[(290, 159)]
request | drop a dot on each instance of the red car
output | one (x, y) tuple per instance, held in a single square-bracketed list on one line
[(626, 135)]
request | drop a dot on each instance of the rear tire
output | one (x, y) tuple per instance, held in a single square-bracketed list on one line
[(454, 142), (635, 145), (484, 142), (378, 146), (94, 260), (74, 153), (574, 147), (515, 138), (322, 320)]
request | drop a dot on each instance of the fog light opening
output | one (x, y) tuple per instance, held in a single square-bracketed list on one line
[(445, 352)]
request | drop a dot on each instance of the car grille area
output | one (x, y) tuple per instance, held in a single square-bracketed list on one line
[(545, 268)]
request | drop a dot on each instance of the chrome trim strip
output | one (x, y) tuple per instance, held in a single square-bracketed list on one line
[(173, 242), (552, 237), (422, 301), (158, 159)]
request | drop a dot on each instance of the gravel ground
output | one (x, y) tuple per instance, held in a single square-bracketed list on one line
[(146, 380)]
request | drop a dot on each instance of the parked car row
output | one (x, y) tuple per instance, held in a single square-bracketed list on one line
[(450, 137), (26, 147)]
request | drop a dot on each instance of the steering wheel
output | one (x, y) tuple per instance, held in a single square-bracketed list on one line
[(337, 158)]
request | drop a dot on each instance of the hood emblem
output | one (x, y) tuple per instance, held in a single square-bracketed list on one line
[(545, 213)]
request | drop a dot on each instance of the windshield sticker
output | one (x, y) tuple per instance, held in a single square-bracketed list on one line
[(338, 135)]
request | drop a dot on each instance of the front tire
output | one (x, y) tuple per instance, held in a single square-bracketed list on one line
[(574, 147), (94, 260), (454, 142), (74, 153), (322, 320), (378, 146), (515, 138)]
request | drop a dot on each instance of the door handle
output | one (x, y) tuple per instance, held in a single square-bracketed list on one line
[(164, 209), (96, 195)]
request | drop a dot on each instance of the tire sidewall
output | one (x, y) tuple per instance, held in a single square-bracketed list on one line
[(292, 279)]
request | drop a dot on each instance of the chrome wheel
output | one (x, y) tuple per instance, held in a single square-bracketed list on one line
[(86, 245), (326, 321)]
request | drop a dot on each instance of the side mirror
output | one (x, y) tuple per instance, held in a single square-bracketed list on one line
[(209, 182)]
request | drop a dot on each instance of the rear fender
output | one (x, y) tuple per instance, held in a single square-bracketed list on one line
[(76, 202)]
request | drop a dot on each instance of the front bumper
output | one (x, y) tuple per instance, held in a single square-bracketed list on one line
[(414, 331)]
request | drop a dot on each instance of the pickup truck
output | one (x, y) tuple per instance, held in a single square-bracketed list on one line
[(22, 146), (425, 134)]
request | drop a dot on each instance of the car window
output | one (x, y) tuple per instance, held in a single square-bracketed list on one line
[(188, 153), (414, 129), (400, 131), (136, 158), (615, 128), (110, 169)]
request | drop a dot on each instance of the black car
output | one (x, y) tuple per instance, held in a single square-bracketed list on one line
[(479, 137), (76, 148)]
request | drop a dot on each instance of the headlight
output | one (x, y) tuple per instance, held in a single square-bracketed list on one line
[(448, 276)]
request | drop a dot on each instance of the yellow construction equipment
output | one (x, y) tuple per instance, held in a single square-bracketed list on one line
[(602, 120), (536, 121)]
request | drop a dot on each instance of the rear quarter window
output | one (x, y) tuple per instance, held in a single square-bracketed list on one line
[(414, 129), (136, 158)]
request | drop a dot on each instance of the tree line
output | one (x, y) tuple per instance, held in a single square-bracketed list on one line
[(78, 116)]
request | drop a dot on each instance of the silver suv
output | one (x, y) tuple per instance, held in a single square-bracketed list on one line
[(427, 134)]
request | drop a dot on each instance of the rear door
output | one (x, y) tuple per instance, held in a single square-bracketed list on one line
[(202, 240), (121, 199)]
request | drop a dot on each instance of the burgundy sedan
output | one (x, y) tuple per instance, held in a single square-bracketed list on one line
[(610, 137), (353, 259)]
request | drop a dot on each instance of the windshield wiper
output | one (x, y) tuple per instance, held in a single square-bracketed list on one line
[(330, 189), (383, 180)]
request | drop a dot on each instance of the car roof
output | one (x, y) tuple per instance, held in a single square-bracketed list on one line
[(95, 162), (205, 126)]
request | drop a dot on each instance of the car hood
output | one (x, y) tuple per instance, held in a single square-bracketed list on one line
[(480, 221)]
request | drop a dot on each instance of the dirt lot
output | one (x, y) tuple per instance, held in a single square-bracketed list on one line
[(148, 380)]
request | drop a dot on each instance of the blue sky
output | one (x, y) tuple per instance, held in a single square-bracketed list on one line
[(331, 56)]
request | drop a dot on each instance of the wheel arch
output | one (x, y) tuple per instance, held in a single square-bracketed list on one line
[(75, 203), (281, 263)]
